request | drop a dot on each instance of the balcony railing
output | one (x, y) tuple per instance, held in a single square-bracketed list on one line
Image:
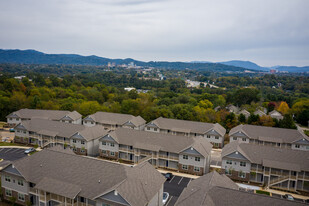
[(169, 157), (125, 149), (32, 190)]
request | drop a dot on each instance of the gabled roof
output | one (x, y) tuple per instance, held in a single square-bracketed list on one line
[(259, 112), (244, 112), (89, 178), (280, 135), (213, 189), (159, 141), (115, 118), (44, 114), (187, 126), (55, 128), (280, 158), (275, 113), (196, 191)]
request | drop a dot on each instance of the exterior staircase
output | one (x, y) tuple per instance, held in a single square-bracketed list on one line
[(278, 180)]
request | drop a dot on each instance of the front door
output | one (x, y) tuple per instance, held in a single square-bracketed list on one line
[(131, 156), (166, 163)]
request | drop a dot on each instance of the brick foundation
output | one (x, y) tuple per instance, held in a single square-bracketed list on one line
[(15, 194), (108, 156), (235, 176), (190, 170), (78, 151)]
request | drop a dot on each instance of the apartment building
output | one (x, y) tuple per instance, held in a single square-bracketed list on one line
[(111, 121), (217, 190), (56, 115), (213, 133), (59, 177), (83, 140), (179, 153), (280, 168), (244, 112), (270, 136)]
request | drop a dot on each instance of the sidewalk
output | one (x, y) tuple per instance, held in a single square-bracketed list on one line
[(178, 174)]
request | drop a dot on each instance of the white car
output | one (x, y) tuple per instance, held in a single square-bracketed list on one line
[(165, 197), (28, 151)]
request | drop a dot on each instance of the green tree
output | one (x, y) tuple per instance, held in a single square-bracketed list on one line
[(287, 122), (242, 118)]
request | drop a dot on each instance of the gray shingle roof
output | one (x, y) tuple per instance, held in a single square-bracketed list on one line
[(280, 158), (158, 141), (187, 126), (116, 118), (44, 114), (55, 128), (196, 192), (219, 196), (50, 170), (213, 189), (269, 133)]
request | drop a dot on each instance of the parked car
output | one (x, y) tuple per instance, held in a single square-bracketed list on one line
[(12, 130), (288, 197), (31, 149), (165, 197), (168, 176)]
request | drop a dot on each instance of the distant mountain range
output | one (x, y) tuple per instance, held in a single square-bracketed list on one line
[(36, 57)]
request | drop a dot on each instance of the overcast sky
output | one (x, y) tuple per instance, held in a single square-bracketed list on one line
[(267, 32)]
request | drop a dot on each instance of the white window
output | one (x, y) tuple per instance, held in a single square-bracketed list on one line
[(103, 143), (112, 145), (11, 119), (112, 153), (21, 182), (196, 169), (21, 197), (185, 157), (197, 159), (242, 174), (155, 129), (185, 167), (70, 121), (243, 164), (7, 178), (82, 150), (74, 140), (244, 139), (82, 142), (208, 136), (228, 172), (104, 151), (297, 146), (8, 193), (229, 162), (92, 122), (235, 138), (17, 119), (74, 149), (216, 137), (148, 128)]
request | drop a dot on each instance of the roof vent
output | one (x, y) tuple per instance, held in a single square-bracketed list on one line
[(13, 166), (191, 148), (41, 165), (115, 192), (236, 152), (99, 181)]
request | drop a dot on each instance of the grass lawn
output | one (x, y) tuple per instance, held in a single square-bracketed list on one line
[(262, 192)]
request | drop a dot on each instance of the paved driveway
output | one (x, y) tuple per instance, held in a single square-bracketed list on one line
[(174, 187), (215, 159), (11, 154)]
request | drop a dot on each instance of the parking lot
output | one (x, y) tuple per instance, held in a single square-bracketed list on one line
[(11, 154), (174, 187)]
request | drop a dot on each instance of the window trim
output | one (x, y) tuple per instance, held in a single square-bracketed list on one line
[(229, 162), (7, 178), (185, 167), (196, 169), (111, 153), (21, 195), (197, 159), (20, 182), (8, 191), (185, 157), (243, 164)]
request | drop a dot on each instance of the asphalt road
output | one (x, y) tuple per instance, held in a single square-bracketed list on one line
[(11, 154), (174, 187)]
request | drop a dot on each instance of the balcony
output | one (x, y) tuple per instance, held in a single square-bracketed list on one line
[(145, 153), (278, 173), (306, 177), (124, 149), (254, 169), (168, 157)]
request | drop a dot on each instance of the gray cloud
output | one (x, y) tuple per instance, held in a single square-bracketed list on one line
[(266, 32)]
